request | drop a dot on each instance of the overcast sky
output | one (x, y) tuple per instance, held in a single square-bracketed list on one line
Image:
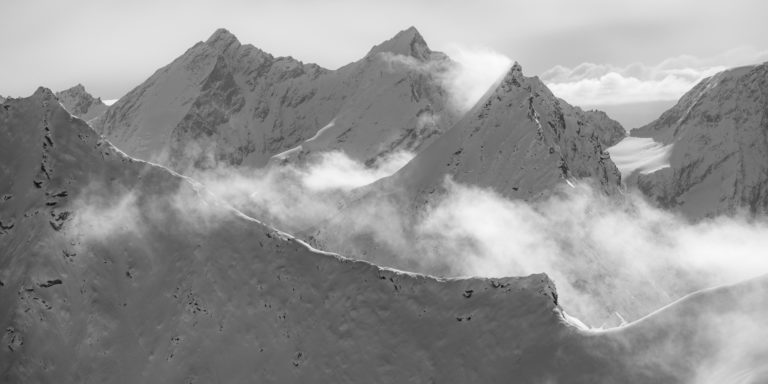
[(637, 51)]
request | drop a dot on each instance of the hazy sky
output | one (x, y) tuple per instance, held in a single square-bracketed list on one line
[(112, 46)]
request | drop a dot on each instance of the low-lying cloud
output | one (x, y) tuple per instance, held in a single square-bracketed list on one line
[(612, 258), (590, 84)]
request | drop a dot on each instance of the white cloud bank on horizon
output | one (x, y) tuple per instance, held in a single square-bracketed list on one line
[(590, 84)]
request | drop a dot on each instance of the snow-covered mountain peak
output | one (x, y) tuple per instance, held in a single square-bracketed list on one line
[(80, 103), (408, 42)]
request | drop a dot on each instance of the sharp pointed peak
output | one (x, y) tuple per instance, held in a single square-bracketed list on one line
[(514, 74), (222, 39), (408, 42)]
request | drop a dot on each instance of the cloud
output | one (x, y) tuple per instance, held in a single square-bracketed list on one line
[(335, 170), (292, 197), (612, 258), (639, 154), (98, 216), (590, 84)]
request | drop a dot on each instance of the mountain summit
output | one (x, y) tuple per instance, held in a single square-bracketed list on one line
[(408, 42), (80, 103)]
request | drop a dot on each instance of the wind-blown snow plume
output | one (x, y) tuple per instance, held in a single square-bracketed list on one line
[(472, 72), (477, 70)]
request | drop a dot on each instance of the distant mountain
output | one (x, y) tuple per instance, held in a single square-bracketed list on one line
[(2, 99), (222, 102), (117, 270), (719, 155), (80, 103)]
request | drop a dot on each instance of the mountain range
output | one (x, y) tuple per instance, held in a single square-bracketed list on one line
[(223, 102), (117, 266), (116, 269)]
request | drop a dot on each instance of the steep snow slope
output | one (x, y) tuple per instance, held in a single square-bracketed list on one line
[(223, 102), (81, 103), (116, 270), (719, 137)]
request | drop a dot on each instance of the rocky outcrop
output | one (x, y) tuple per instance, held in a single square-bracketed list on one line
[(609, 132), (223, 102), (80, 103), (719, 156)]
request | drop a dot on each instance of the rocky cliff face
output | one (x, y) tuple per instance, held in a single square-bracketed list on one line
[(80, 103), (719, 155), (224, 102)]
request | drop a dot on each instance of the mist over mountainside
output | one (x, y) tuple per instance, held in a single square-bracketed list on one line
[(139, 273), (224, 103), (718, 133), (80, 103), (2, 99)]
